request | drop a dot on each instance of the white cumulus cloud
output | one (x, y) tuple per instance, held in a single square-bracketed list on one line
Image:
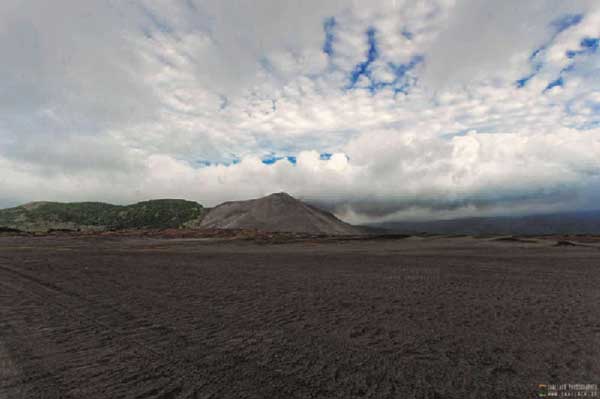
[(381, 111)]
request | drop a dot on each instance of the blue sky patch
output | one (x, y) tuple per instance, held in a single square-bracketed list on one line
[(537, 51), (557, 82), (372, 55), (588, 45), (401, 69), (523, 81), (559, 25), (271, 159), (399, 84), (202, 163), (566, 21), (328, 27)]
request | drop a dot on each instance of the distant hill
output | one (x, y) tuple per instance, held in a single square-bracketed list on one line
[(276, 212), (45, 216), (583, 222)]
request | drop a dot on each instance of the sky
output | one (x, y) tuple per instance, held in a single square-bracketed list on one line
[(378, 111)]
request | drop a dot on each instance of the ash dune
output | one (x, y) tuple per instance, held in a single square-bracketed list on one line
[(276, 212)]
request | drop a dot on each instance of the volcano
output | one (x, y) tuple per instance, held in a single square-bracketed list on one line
[(278, 212)]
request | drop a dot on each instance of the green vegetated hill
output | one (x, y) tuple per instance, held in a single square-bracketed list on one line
[(44, 216)]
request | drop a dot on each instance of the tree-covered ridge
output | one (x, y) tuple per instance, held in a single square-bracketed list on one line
[(43, 216)]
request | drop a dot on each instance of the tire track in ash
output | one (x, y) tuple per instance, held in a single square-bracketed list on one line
[(176, 371), (342, 330), (224, 365)]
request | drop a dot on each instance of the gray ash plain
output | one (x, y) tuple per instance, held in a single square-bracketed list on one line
[(433, 317)]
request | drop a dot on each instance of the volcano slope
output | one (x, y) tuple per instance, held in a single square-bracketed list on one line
[(103, 317), (276, 212)]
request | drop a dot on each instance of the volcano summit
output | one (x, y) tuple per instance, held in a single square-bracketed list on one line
[(276, 212)]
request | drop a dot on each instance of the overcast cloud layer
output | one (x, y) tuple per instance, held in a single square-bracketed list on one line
[(380, 110)]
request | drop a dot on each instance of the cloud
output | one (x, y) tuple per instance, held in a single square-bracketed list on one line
[(417, 103), (475, 171), (482, 39)]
